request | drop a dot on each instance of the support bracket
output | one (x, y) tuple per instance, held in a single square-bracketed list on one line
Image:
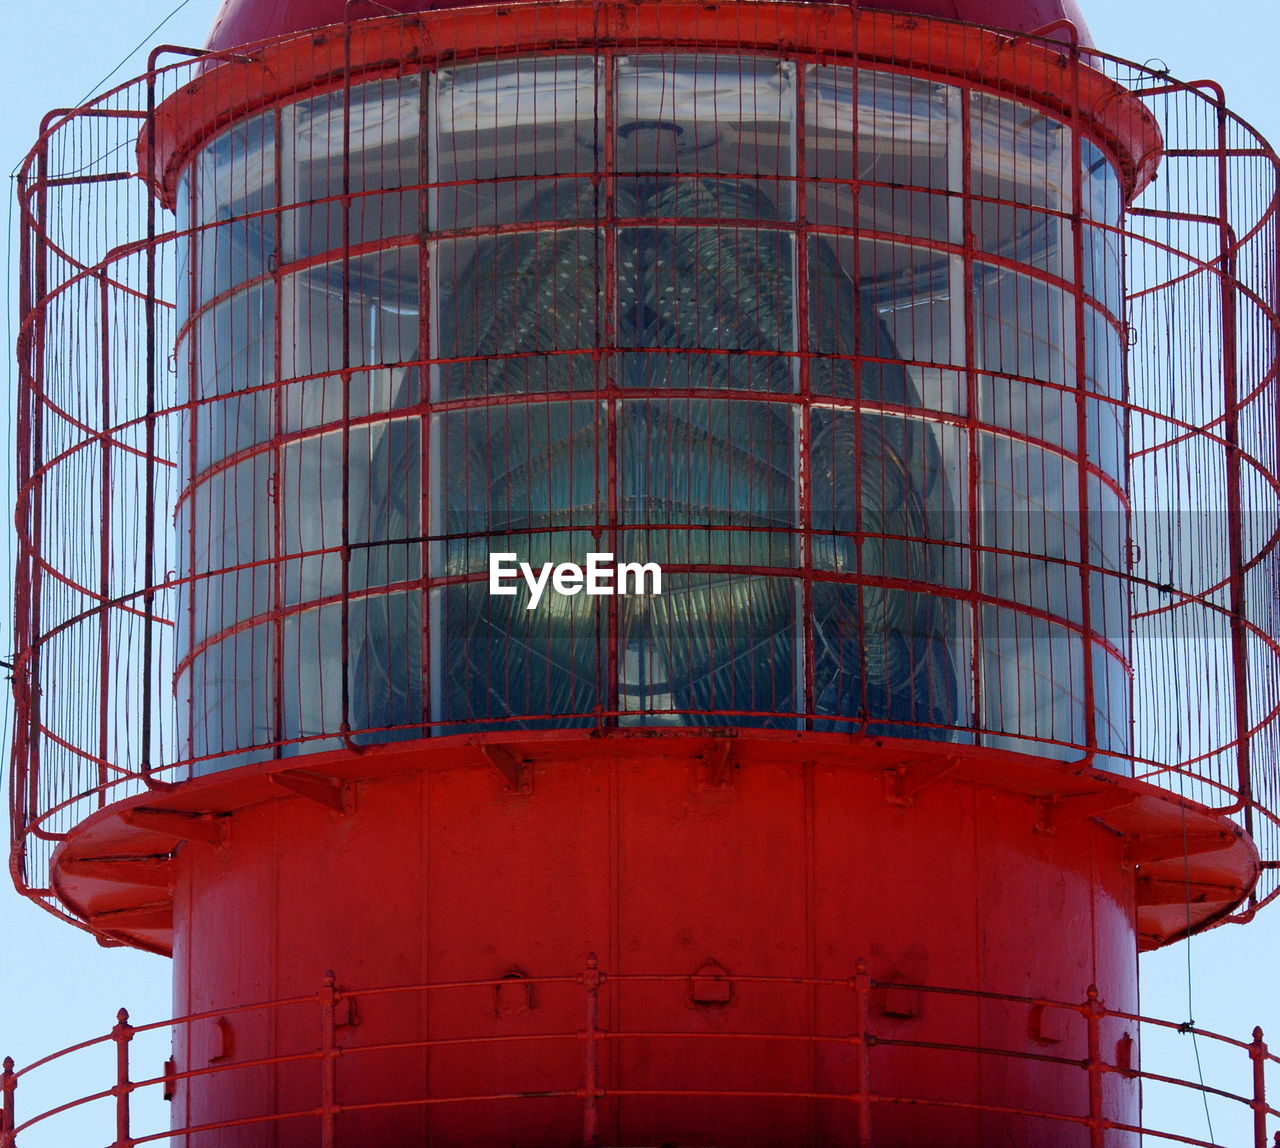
[(1054, 812), (1170, 846), (516, 772), (156, 915), (226, 1041), (903, 782), (715, 766), (208, 828), (1172, 891), (153, 871), (326, 791)]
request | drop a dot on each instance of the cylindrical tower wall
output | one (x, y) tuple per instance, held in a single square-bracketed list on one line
[(728, 919), (832, 346)]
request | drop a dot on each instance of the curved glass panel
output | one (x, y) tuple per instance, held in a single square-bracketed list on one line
[(557, 307)]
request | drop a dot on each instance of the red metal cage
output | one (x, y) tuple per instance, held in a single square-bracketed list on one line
[(935, 368), (1174, 534)]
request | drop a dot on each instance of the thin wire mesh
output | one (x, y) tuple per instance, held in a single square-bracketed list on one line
[(842, 346)]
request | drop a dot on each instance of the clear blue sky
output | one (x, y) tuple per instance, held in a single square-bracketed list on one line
[(59, 986)]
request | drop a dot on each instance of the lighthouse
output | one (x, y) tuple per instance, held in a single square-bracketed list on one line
[(685, 573)]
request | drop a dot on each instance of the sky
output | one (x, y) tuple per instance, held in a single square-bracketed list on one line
[(59, 986)]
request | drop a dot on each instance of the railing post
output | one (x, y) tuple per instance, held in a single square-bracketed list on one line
[(328, 1061), (591, 981), (122, 1034), (1258, 1054), (862, 1041), (1094, 1011), (8, 1119)]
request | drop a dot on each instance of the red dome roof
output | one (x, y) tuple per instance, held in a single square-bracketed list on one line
[(245, 21)]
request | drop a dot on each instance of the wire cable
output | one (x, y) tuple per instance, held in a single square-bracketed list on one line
[(132, 52), (1189, 1026)]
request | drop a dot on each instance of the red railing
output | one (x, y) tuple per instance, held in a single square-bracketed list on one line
[(1092, 1055)]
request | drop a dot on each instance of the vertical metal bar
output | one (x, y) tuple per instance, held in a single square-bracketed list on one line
[(197, 237), (1127, 441), (861, 1042), (859, 453), (1258, 1054), (973, 415), (959, 314), (8, 1115), (279, 544), (346, 371), (1231, 432), (611, 701), (435, 458), (803, 418), (104, 539), (427, 458), (1082, 460), (22, 573), (34, 464), (591, 981), (1093, 1013), (328, 1061), (122, 1034), (345, 477), (149, 461)]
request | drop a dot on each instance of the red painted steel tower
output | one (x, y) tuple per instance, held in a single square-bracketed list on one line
[(949, 435)]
